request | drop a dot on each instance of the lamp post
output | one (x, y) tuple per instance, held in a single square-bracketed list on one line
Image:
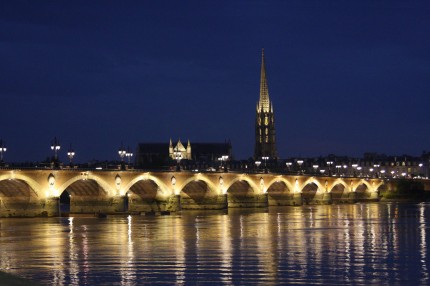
[(300, 163), (421, 166), (223, 160), (121, 153), (315, 168), (2, 150), (55, 146), (129, 154), (329, 163), (344, 170), (376, 166), (257, 163), (265, 158), (288, 164), (338, 167), (354, 166), (382, 173), (359, 169), (70, 154)]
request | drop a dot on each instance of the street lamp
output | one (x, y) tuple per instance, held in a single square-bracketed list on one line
[(223, 160), (300, 162), (315, 168), (121, 153), (359, 169), (338, 167), (322, 171), (329, 163), (354, 166), (70, 154), (257, 163), (382, 173), (2, 149), (129, 154), (288, 165), (265, 158), (55, 146)]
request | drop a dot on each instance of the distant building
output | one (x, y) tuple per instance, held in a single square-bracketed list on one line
[(265, 142), (164, 156)]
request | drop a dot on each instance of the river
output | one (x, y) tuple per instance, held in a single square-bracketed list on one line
[(378, 243)]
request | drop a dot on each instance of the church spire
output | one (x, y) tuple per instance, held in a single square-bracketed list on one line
[(265, 141), (264, 103)]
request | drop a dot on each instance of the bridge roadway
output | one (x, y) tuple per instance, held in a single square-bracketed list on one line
[(36, 192)]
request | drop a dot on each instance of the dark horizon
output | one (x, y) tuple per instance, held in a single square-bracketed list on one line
[(345, 78)]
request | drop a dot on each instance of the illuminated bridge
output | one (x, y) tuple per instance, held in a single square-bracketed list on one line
[(36, 192)]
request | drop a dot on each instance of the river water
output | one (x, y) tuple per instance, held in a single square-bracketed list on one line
[(381, 243)]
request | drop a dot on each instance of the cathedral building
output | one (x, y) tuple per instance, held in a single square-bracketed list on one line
[(265, 143)]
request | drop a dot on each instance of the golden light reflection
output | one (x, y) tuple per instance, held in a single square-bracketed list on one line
[(225, 249), (423, 246), (128, 269), (180, 249), (73, 256)]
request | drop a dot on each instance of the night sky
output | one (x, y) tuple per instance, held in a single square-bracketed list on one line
[(345, 77)]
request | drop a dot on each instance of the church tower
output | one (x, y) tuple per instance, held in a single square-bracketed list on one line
[(265, 144)]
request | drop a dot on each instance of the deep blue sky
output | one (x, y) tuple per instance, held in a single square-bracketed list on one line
[(345, 77)]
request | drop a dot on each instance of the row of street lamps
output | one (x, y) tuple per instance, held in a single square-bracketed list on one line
[(56, 146)]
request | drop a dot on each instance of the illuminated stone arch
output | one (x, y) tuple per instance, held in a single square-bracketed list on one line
[(309, 181), (34, 186), (211, 186), (309, 193), (102, 184), (287, 183), (163, 188), (337, 183), (363, 182), (251, 184), (336, 192), (19, 194)]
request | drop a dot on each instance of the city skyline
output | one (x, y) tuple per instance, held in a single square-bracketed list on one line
[(346, 78)]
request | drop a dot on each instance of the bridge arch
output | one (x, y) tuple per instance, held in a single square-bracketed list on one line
[(146, 189), (162, 188), (310, 188), (242, 184), (85, 185), (202, 179), (16, 194), (361, 183), (339, 188), (276, 184), (35, 187), (311, 181)]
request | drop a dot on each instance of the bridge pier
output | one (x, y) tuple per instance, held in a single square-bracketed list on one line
[(321, 198), (137, 204), (288, 199), (32, 208), (247, 200), (349, 197), (85, 204), (216, 202)]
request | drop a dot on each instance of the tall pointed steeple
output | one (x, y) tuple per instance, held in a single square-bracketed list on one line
[(265, 143), (264, 103)]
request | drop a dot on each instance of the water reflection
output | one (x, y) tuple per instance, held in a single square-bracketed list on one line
[(337, 244)]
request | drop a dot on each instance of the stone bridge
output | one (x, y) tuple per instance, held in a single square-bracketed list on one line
[(36, 192)]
